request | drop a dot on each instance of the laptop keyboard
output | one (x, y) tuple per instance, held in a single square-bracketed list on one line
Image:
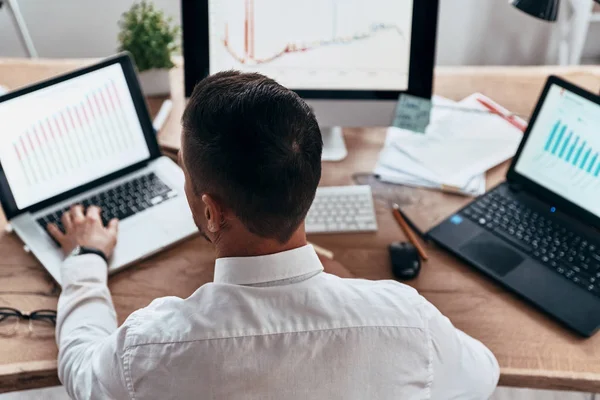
[(121, 201), (569, 254)]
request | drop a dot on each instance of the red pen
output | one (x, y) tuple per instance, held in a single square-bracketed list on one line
[(510, 118)]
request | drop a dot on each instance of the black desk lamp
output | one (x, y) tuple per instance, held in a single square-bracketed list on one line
[(542, 9)]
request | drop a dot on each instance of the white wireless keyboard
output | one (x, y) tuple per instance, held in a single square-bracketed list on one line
[(341, 209)]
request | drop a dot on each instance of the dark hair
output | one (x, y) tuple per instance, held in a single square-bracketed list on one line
[(256, 146)]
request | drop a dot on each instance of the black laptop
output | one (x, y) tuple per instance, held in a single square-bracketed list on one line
[(537, 233)]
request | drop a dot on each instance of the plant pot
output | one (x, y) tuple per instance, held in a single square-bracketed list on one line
[(155, 82)]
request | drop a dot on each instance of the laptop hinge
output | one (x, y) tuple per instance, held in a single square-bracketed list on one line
[(515, 187)]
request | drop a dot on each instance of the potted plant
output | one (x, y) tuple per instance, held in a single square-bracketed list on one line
[(151, 38)]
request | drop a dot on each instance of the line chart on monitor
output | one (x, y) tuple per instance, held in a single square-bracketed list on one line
[(320, 44)]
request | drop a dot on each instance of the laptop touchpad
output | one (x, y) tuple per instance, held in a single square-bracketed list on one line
[(491, 253)]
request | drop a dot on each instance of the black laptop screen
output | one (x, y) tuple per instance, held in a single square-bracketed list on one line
[(68, 134), (562, 152)]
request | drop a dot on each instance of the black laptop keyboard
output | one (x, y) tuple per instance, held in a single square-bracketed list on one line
[(575, 257), (121, 201)]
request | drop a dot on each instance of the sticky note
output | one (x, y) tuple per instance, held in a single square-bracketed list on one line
[(412, 113)]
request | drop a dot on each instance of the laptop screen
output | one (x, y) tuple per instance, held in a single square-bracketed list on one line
[(562, 152), (65, 135)]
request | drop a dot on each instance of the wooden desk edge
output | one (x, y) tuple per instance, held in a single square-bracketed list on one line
[(550, 380), (38, 374), (45, 62), (29, 375), (512, 70)]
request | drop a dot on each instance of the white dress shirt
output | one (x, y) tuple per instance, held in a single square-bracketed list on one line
[(269, 327)]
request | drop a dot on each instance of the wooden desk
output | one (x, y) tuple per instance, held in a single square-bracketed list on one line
[(533, 351)]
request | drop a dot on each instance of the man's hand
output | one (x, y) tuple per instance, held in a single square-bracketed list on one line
[(85, 230)]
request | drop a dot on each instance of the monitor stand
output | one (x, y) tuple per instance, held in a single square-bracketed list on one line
[(334, 147)]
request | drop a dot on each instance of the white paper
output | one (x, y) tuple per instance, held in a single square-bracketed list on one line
[(402, 164), (459, 145), (3, 90), (475, 187), (397, 167), (457, 149)]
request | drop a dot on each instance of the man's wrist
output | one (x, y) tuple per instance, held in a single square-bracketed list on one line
[(81, 250), (88, 268)]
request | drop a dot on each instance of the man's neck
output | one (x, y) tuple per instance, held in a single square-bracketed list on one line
[(251, 245)]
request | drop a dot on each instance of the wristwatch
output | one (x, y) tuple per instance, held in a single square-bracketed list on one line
[(81, 250)]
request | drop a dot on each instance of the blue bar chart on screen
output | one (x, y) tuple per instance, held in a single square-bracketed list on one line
[(563, 149), (572, 149)]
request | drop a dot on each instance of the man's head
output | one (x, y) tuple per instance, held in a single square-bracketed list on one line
[(251, 153)]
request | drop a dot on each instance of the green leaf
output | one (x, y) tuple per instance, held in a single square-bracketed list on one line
[(149, 36)]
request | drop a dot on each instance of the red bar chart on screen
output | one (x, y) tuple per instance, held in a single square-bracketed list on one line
[(69, 135)]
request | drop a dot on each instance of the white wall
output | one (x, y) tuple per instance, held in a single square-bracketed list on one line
[(592, 48), (71, 28), (471, 32), (477, 32)]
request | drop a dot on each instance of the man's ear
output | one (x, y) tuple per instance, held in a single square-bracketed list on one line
[(213, 212)]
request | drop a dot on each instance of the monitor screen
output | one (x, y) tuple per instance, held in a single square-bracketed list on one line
[(68, 134), (563, 147), (314, 44)]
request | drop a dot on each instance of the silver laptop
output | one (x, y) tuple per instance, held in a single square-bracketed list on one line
[(86, 138)]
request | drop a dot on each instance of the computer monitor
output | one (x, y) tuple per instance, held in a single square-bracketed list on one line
[(349, 59)]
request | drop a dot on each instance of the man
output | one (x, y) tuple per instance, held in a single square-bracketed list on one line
[(273, 325)]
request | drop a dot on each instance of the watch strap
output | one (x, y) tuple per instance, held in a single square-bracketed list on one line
[(91, 250)]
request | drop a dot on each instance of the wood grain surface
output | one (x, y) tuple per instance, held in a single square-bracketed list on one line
[(533, 351)]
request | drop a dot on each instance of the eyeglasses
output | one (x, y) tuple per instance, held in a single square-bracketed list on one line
[(41, 322)]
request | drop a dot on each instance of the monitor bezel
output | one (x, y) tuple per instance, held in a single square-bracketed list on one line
[(195, 25), (7, 199), (550, 197)]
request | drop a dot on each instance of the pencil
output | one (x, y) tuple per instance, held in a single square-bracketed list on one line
[(509, 118), (409, 233), (412, 226)]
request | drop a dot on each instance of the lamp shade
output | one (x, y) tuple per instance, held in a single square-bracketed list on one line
[(542, 9)]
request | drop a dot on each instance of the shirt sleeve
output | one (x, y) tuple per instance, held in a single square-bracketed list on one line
[(91, 348), (463, 368)]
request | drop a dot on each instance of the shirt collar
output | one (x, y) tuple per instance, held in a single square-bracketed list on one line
[(273, 267)]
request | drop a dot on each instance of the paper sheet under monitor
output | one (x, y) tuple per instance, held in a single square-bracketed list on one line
[(460, 145), (396, 166)]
